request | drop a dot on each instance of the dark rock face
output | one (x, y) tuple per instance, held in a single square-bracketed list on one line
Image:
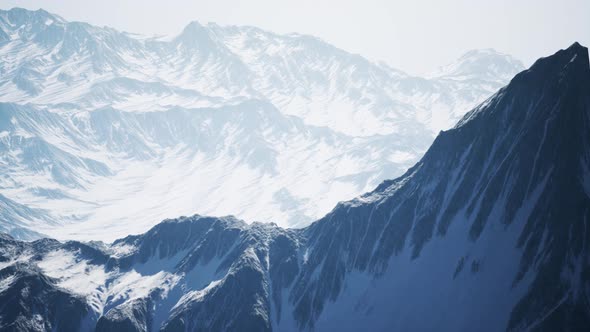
[(246, 309), (488, 231), (34, 303), (555, 236), (520, 157)]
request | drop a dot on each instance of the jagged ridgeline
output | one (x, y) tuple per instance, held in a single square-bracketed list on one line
[(488, 231), (103, 132)]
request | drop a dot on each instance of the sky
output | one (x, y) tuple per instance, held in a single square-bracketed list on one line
[(415, 36)]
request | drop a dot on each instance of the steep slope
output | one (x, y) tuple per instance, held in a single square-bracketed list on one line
[(97, 123), (18, 220), (470, 76), (486, 232), (488, 229)]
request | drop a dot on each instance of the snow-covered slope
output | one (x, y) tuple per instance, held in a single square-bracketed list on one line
[(487, 232), (110, 132)]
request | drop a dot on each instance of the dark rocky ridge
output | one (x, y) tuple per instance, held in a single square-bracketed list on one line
[(515, 170)]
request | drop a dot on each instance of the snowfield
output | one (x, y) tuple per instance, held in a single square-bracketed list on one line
[(104, 133)]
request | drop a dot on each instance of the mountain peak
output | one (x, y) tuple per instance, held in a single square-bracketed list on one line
[(193, 29), (578, 54), (193, 26), (480, 64), (195, 35), (481, 52), (21, 16), (571, 61), (562, 71), (578, 47)]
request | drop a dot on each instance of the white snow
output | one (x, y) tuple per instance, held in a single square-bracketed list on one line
[(196, 295), (74, 274), (334, 126), (6, 282)]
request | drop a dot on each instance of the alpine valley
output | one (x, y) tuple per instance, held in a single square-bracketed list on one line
[(105, 133)]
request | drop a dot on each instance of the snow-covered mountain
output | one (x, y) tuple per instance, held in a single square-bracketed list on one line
[(487, 232), (105, 133)]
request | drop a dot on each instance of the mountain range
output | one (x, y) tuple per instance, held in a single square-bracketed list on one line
[(486, 232), (105, 133)]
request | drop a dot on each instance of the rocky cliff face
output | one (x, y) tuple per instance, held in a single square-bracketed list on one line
[(488, 231)]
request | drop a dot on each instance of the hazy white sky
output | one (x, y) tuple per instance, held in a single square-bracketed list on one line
[(416, 36)]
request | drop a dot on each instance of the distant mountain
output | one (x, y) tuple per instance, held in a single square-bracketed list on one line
[(49, 60), (112, 132), (485, 65), (487, 232)]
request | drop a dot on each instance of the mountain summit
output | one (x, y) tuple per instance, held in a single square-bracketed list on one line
[(480, 65), (488, 231)]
